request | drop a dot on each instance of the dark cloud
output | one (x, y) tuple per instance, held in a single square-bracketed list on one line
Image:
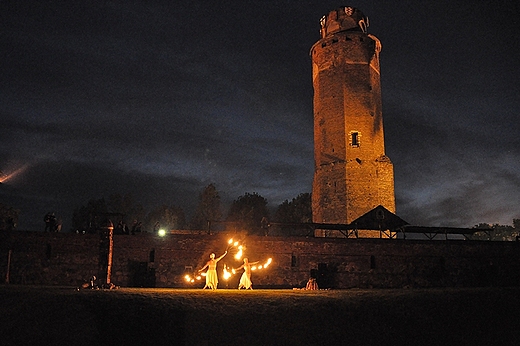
[(159, 99)]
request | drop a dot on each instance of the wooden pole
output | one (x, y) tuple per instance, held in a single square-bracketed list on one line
[(110, 252), (8, 266)]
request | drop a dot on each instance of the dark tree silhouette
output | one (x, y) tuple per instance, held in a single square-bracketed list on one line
[(87, 219), (498, 232), (248, 211), (8, 217), (297, 211), (125, 206), (208, 209), (165, 217)]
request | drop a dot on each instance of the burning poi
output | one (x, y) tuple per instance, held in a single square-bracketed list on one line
[(211, 274)]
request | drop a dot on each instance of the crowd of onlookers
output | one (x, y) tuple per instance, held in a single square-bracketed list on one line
[(122, 228), (53, 224)]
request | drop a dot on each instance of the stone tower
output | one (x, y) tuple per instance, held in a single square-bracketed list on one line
[(352, 174)]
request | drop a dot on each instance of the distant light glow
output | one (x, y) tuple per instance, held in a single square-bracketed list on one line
[(162, 233)]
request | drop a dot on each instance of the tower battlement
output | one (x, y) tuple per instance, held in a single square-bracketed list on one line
[(343, 19)]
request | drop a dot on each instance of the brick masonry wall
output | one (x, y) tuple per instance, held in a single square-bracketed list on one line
[(349, 179), (146, 260)]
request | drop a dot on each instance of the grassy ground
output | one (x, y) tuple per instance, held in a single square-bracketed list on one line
[(32, 315)]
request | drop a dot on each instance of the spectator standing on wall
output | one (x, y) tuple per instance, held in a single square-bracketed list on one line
[(57, 227), (50, 222)]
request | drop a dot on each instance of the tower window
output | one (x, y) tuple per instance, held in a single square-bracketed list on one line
[(372, 262), (294, 260), (354, 139), (48, 251)]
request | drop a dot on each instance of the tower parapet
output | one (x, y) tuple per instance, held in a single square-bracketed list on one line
[(343, 19)]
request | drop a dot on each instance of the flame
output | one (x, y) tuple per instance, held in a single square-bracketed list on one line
[(262, 266), (238, 255), (191, 279), (269, 260), (227, 274)]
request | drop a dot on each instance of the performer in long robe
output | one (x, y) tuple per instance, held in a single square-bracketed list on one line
[(312, 284), (245, 279), (211, 273)]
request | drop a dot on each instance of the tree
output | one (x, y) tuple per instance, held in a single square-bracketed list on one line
[(125, 206), (87, 219), (165, 217), (8, 217), (498, 232), (248, 211), (298, 210), (208, 209)]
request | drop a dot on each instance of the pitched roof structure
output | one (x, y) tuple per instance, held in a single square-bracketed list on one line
[(379, 219)]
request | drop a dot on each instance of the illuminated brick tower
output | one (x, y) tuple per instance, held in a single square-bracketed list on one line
[(352, 174)]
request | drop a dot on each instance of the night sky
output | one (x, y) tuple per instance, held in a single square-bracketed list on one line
[(158, 100)]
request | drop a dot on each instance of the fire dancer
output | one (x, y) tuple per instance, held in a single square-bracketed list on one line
[(211, 274), (245, 279)]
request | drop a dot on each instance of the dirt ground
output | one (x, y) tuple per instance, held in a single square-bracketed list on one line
[(31, 315)]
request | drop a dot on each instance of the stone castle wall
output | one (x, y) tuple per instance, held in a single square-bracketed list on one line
[(146, 260)]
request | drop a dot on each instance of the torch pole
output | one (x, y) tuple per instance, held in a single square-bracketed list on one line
[(8, 266), (110, 253)]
